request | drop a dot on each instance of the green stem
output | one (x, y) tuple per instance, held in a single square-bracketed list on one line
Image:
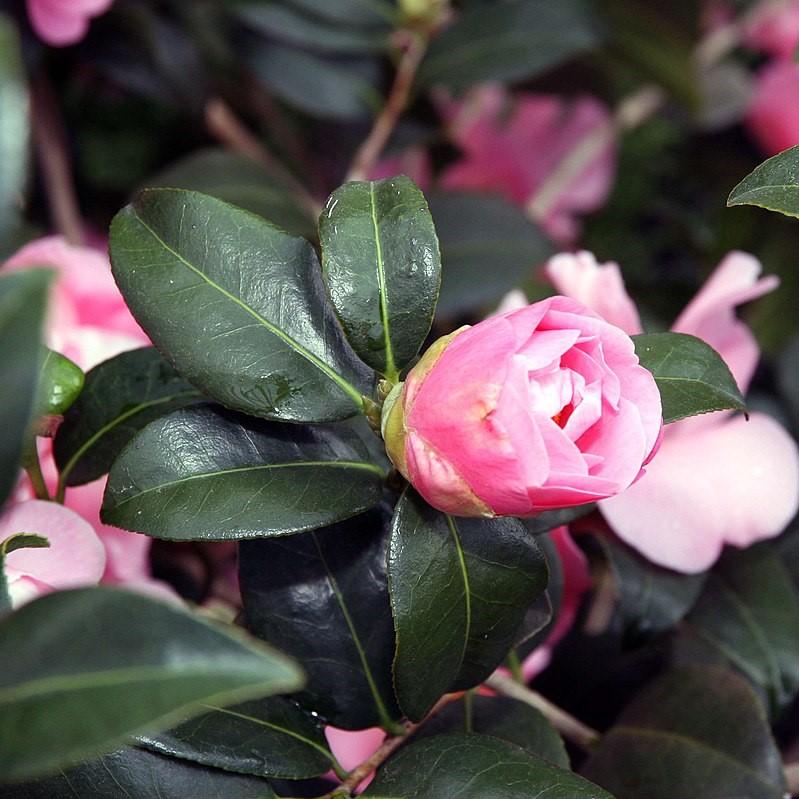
[(34, 469), (515, 666)]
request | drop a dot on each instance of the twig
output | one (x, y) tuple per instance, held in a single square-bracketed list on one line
[(571, 728), (49, 138), (223, 123), (386, 749), (792, 778), (368, 153), (600, 613)]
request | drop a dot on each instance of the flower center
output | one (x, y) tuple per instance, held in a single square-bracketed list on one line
[(562, 416)]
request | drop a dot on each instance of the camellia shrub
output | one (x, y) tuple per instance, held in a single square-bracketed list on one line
[(300, 499)]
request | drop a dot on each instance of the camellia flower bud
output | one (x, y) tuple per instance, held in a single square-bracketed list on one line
[(539, 408)]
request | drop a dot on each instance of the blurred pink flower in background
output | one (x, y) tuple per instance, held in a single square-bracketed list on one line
[(773, 28), (773, 113), (64, 22), (553, 156), (772, 116), (718, 479), (88, 322)]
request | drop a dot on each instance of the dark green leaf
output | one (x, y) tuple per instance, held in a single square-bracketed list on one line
[(381, 263), (284, 23), (138, 774), (328, 88), (361, 13), (237, 306), (82, 670), (550, 519), (774, 185), (651, 599), (322, 597), (23, 300), (13, 126), (749, 614), (240, 181), (266, 737), (516, 40), (13, 542), (693, 732), (120, 397), (488, 247), (460, 589), (475, 767), (691, 375), (206, 473), (504, 718), (60, 383)]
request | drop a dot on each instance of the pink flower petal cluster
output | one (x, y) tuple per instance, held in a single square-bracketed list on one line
[(773, 113), (718, 479), (89, 323), (64, 22), (554, 157), (542, 407)]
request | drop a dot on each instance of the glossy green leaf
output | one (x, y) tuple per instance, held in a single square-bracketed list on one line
[(329, 88), (382, 267), (13, 126), (550, 519), (475, 767), (138, 774), (266, 737), (488, 247), (693, 732), (289, 25), (207, 474), (23, 300), (240, 181), (10, 544), (691, 375), (650, 598), (82, 670), (749, 614), (237, 306), (460, 590), (503, 718), (774, 185), (322, 598), (360, 13), (514, 42), (60, 383), (120, 397)]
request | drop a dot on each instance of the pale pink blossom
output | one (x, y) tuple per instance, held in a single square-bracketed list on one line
[(88, 320), (553, 156), (773, 113), (76, 556), (542, 407), (718, 479)]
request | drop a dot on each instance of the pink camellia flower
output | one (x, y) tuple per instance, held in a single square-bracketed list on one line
[(773, 114), (64, 22), (718, 479), (88, 319), (552, 156), (75, 557), (543, 407)]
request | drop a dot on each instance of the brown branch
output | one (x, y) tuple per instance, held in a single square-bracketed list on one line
[(50, 142), (571, 728), (369, 152), (385, 750), (223, 123)]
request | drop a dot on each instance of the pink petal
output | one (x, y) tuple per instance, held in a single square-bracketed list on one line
[(711, 313), (599, 287), (774, 29), (76, 555), (734, 482), (773, 114)]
